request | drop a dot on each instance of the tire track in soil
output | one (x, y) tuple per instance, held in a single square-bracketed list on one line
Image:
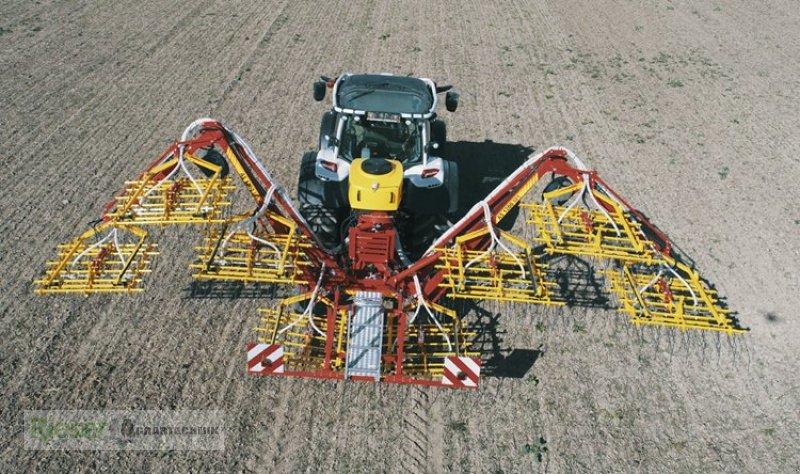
[(94, 73), (282, 410), (344, 425), (248, 59), (439, 450), (283, 425), (292, 431), (416, 427)]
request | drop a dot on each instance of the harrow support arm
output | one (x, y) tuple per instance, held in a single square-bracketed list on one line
[(474, 259), (380, 316), (273, 243)]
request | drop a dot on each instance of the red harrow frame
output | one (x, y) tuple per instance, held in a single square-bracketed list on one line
[(370, 313)]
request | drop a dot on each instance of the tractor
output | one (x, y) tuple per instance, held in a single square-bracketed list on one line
[(378, 117)]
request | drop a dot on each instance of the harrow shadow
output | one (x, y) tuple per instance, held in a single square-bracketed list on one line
[(232, 290), (578, 283), (500, 361), (516, 364)]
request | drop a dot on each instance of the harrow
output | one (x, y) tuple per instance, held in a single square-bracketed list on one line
[(371, 310)]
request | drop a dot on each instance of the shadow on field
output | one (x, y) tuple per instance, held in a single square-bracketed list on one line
[(231, 290), (516, 364), (578, 283), (482, 166), (500, 361)]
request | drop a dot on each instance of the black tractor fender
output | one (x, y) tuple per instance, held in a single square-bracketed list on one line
[(439, 200), (313, 191)]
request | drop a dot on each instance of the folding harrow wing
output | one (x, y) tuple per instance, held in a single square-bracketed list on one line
[(369, 310)]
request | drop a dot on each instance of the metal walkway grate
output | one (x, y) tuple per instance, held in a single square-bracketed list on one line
[(365, 336)]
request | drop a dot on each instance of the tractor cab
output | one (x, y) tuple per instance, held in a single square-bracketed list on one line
[(382, 135), (380, 116)]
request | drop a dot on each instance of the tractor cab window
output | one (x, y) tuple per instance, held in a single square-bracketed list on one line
[(382, 135)]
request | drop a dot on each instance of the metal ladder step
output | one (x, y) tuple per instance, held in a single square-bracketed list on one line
[(365, 336)]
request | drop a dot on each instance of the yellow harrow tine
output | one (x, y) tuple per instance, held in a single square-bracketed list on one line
[(105, 259), (253, 256), (651, 287), (496, 276), (174, 199), (660, 298), (588, 233), (172, 202)]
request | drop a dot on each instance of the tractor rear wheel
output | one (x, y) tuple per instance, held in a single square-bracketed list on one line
[(314, 191), (422, 230), (324, 222)]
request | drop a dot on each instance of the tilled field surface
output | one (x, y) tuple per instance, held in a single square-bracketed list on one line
[(688, 110)]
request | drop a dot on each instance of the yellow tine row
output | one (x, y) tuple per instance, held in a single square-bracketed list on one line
[(672, 305), (581, 232), (172, 202)]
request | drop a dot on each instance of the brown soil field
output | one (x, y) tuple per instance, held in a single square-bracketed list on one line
[(689, 109)]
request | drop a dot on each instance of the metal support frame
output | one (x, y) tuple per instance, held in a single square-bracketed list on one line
[(105, 259), (310, 334)]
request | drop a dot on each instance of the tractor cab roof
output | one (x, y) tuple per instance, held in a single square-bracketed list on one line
[(410, 97)]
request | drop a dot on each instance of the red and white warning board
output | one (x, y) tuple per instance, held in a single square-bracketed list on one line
[(263, 359), (461, 372)]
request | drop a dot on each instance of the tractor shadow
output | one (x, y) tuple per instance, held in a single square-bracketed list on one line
[(482, 166)]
